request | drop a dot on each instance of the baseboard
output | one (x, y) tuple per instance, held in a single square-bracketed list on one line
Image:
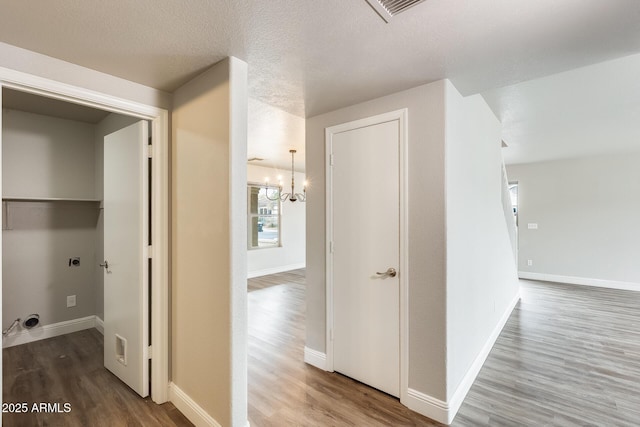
[(600, 283), (428, 406), (445, 412), (467, 381), (190, 409), (100, 325), (25, 336), (274, 270), (315, 358)]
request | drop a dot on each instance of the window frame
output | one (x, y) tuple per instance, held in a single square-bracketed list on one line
[(251, 215)]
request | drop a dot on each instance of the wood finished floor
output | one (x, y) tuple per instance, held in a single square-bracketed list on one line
[(568, 356), (69, 369), (283, 390)]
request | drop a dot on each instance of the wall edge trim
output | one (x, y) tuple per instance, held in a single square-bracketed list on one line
[(467, 381), (100, 325), (583, 281), (49, 331), (189, 408), (315, 358), (445, 412), (427, 405)]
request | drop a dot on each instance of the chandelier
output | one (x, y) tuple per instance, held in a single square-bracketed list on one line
[(277, 194)]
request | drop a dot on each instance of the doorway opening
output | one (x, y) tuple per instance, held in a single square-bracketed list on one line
[(53, 236), (367, 261)]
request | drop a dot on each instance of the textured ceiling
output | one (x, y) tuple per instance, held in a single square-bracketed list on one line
[(308, 57), (272, 132), (588, 111)]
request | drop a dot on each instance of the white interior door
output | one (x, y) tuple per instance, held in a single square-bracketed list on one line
[(126, 231), (366, 242)]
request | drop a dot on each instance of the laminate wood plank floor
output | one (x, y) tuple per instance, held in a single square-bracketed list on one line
[(69, 369), (568, 356), (293, 276), (285, 391)]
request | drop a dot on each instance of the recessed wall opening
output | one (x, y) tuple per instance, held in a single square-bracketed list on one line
[(53, 204)]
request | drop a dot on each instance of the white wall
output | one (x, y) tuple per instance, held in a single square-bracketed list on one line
[(291, 254), (48, 157), (587, 215), (426, 132), (462, 276), (22, 60), (482, 281)]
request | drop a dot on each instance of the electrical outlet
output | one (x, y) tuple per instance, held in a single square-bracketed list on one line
[(529, 262), (74, 262), (71, 301)]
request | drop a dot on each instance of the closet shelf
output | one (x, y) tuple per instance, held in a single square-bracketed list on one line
[(47, 199)]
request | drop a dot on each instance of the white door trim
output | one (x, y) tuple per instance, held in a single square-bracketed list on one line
[(159, 119), (402, 117)]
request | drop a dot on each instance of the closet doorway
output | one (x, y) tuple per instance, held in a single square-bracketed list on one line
[(75, 187)]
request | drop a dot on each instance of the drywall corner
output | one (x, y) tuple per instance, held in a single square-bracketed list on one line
[(239, 98), (481, 281), (209, 255)]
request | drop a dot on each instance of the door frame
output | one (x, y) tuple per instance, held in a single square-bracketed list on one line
[(402, 117), (159, 119)]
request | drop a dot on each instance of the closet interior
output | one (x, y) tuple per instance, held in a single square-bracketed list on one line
[(52, 222)]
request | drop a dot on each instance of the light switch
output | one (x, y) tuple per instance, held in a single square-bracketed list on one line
[(532, 226)]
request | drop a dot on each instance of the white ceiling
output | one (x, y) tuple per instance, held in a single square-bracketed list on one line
[(588, 111), (36, 104), (272, 132), (308, 57)]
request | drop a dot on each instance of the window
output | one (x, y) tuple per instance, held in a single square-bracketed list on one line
[(263, 218)]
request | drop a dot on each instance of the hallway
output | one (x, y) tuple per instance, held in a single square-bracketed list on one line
[(568, 355)]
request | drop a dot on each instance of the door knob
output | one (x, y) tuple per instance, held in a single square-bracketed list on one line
[(390, 272)]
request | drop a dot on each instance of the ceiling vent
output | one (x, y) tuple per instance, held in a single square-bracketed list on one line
[(387, 9)]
